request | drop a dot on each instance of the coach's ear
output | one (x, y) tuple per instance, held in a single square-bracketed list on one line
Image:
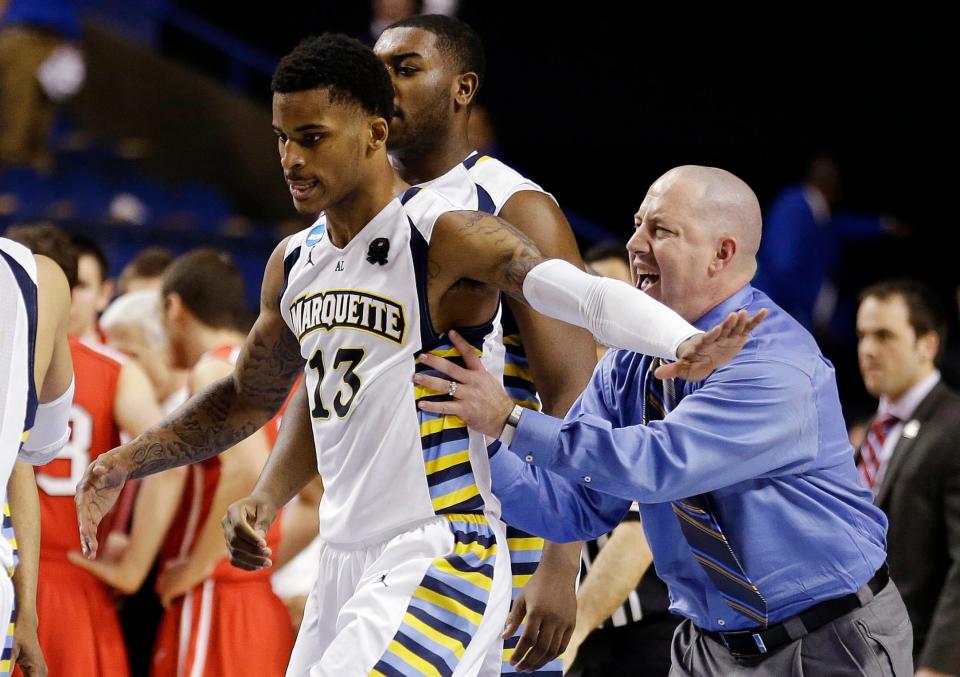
[(379, 131)]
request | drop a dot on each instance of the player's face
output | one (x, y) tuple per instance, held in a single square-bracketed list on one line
[(423, 85), (323, 147), (87, 298), (670, 255), (892, 358)]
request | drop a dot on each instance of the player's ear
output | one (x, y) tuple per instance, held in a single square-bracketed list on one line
[(465, 88), (106, 293), (173, 307), (379, 131)]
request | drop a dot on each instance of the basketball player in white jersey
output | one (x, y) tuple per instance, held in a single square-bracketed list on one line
[(436, 64), (413, 580), (36, 389)]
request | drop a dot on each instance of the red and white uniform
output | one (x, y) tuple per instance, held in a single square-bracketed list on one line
[(79, 630), (233, 623)]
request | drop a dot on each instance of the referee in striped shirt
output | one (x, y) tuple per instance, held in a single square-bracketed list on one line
[(623, 626)]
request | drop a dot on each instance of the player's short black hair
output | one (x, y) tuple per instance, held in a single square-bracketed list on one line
[(455, 38), (86, 245), (210, 285), (46, 239), (346, 67)]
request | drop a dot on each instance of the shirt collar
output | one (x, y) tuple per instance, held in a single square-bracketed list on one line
[(737, 301), (904, 407)]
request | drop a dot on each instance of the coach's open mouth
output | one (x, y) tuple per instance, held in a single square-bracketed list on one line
[(646, 280)]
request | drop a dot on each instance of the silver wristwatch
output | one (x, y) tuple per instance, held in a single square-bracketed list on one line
[(510, 429)]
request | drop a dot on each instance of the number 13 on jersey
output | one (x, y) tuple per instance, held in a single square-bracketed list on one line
[(343, 373)]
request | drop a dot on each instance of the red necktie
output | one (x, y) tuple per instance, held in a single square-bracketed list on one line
[(869, 464)]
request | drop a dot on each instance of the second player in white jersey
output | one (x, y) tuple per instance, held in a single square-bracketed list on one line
[(484, 183)]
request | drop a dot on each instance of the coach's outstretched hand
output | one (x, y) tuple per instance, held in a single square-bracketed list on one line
[(96, 494), (701, 355), (245, 527)]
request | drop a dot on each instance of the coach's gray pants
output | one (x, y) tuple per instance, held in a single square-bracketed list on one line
[(875, 640)]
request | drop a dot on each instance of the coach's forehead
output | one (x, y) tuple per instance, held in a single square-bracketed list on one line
[(670, 193)]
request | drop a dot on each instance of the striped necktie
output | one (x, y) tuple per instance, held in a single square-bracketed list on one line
[(869, 461), (700, 528)]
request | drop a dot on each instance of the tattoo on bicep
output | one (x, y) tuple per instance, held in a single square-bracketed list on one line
[(515, 253)]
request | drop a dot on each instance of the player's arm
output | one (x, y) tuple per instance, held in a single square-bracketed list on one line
[(485, 248), (53, 375), (216, 419), (239, 469), (291, 466), (135, 409), (52, 362), (53, 366), (301, 522), (615, 573), (153, 512), (560, 375), (135, 406), (548, 601), (25, 514)]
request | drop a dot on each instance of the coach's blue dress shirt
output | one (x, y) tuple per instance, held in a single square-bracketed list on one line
[(764, 435)]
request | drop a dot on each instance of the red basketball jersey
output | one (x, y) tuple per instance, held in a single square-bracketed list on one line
[(93, 431)]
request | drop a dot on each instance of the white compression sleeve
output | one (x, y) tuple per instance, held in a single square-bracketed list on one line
[(618, 315), (51, 430)]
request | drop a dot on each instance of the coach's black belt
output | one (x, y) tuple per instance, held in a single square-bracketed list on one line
[(751, 643)]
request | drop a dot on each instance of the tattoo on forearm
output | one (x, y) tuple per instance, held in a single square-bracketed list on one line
[(223, 414), (204, 427), (268, 367)]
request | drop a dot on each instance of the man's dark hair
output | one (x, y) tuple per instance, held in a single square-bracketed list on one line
[(344, 66), (210, 285), (45, 239), (456, 39), (150, 262), (606, 250), (925, 311), (86, 245)]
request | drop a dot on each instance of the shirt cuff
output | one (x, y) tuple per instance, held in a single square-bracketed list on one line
[(536, 438), (505, 468)]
